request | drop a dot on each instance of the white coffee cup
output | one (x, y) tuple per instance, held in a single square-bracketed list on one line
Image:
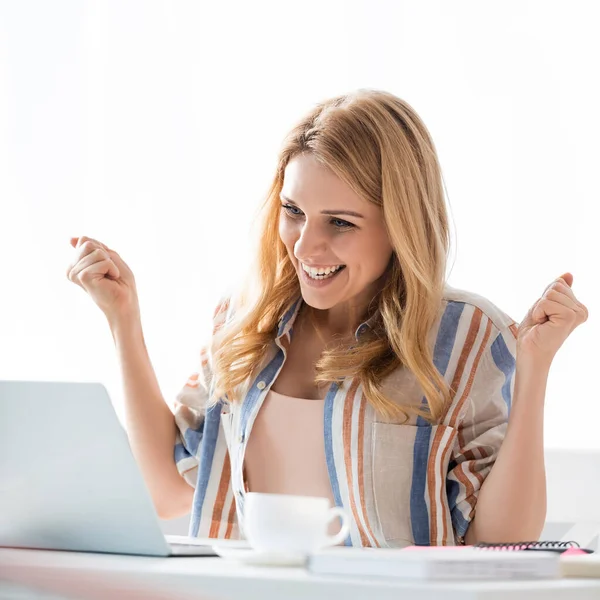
[(295, 524)]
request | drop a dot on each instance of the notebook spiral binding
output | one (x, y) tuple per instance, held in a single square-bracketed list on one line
[(557, 546)]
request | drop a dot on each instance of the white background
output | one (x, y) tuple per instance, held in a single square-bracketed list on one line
[(154, 126)]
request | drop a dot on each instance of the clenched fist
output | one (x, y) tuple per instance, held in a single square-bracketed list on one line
[(103, 274)]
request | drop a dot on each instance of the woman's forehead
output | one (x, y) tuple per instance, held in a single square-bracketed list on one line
[(310, 183)]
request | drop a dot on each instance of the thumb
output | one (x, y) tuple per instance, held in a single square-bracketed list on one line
[(567, 278), (74, 241)]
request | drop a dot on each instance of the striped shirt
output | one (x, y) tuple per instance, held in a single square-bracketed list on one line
[(414, 483)]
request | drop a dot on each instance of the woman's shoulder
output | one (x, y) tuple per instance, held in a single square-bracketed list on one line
[(499, 318)]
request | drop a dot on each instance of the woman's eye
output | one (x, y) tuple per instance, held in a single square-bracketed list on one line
[(290, 208), (338, 223), (343, 223)]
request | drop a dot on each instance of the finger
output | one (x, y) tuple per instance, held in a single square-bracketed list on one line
[(567, 278), (84, 239), (89, 246), (90, 273), (564, 288), (86, 274), (558, 295), (92, 243), (83, 250), (568, 292), (556, 283), (547, 308), (97, 257)]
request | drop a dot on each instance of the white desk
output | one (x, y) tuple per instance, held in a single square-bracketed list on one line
[(87, 576)]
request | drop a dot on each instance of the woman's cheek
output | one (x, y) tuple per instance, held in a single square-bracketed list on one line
[(286, 233)]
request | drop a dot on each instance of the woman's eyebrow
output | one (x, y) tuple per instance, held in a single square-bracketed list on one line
[(327, 212)]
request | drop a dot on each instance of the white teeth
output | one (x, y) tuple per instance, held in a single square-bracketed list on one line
[(321, 273)]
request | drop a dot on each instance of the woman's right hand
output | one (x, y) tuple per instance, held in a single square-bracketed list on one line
[(103, 274)]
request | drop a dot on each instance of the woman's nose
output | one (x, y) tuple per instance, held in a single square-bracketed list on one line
[(310, 243)]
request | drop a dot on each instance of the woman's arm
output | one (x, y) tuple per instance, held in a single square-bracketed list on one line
[(512, 501), (150, 424)]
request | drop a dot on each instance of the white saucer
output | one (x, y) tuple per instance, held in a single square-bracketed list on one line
[(249, 556)]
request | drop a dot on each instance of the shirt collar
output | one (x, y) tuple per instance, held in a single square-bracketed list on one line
[(291, 312)]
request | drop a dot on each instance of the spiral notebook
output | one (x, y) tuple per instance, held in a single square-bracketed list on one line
[(543, 546), (521, 560), (574, 560)]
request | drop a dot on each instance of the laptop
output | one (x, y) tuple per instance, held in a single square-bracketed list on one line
[(68, 478)]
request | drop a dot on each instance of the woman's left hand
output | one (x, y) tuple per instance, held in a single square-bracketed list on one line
[(549, 322)]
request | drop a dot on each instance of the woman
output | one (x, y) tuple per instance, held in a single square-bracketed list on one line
[(345, 366)]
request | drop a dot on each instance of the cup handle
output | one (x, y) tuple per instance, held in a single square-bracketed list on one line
[(342, 534)]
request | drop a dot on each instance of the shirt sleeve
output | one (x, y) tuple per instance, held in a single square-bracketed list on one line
[(189, 407), (483, 427)]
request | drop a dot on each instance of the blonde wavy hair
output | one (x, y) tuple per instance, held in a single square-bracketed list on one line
[(377, 144)]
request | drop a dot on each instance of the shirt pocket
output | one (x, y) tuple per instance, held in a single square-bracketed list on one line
[(409, 461)]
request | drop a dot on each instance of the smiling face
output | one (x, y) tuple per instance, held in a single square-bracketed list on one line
[(318, 231)]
